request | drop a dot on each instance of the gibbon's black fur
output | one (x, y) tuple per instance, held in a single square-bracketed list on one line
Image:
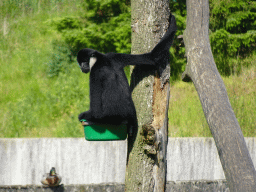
[(110, 95)]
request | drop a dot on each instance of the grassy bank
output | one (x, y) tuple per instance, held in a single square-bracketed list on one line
[(32, 104), (186, 117)]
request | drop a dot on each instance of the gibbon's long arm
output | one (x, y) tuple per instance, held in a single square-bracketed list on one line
[(160, 51), (162, 48), (129, 59)]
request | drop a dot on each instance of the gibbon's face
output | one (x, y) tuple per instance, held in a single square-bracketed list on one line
[(86, 59)]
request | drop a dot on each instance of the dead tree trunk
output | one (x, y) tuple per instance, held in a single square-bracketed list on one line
[(201, 69), (146, 163)]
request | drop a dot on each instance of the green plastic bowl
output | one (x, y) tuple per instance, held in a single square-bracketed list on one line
[(104, 132)]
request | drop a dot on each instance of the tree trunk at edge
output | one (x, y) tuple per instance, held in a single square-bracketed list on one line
[(201, 69)]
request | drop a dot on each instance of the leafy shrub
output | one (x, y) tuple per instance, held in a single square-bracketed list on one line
[(177, 51), (61, 59), (102, 11), (113, 36), (105, 26), (67, 23), (233, 33)]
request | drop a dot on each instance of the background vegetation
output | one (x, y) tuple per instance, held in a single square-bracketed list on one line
[(43, 90)]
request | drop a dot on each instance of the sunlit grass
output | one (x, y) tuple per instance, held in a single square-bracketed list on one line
[(34, 105), (31, 103), (242, 95), (186, 117)]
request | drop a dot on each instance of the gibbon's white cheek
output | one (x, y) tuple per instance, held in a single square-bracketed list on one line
[(92, 62)]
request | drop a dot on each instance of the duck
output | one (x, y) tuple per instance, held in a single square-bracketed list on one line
[(51, 179)]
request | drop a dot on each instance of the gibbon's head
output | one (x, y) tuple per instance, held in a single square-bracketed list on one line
[(86, 58)]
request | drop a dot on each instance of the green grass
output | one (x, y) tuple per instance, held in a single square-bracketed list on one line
[(34, 105), (186, 117)]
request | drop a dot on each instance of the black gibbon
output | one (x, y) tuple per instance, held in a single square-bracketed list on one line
[(110, 95)]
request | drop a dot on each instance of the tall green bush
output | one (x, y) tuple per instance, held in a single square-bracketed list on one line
[(105, 26), (233, 33), (61, 59), (177, 51)]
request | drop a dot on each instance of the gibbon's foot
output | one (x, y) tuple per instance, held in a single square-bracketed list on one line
[(85, 115), (86, 123)]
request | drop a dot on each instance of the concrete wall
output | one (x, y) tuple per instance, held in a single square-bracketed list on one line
[(24, 161)]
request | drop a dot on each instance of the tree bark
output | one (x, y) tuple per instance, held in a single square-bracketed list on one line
[(201, 69), (146, 161)]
